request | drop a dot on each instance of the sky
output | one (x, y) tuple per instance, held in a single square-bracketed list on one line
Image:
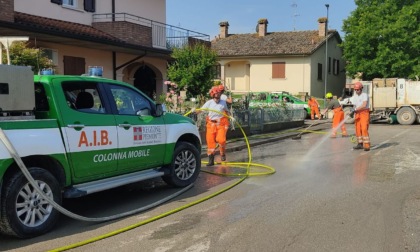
[(242, 15)]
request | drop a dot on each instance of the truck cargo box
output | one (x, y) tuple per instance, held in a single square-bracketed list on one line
[(384, 97), (16, 89), (408, 92)]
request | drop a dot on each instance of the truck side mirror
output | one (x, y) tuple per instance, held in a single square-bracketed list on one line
[(159, 110)]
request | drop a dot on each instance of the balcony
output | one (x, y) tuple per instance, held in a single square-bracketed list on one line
[(146, 32)]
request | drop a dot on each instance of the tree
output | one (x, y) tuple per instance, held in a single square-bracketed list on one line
[(23, 55), (193, 69), (382, 39)]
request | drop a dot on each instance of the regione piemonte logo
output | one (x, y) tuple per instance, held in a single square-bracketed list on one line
[(138, 134)]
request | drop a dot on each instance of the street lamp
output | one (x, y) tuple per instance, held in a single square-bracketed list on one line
[(326, 53)]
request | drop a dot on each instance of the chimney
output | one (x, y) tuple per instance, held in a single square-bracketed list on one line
[(224, 29), (262, 27), (7, 10), (322, 24)]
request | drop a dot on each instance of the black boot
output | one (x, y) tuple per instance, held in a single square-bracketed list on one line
[(359, 146), (223, 157), (211, 160)]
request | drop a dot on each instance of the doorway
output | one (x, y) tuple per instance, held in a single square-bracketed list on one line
[(145, 80)]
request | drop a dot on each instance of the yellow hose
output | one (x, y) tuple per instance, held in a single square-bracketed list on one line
[(245, 165)]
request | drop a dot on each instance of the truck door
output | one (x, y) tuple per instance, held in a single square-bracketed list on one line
[(141, 136), (90, 131)]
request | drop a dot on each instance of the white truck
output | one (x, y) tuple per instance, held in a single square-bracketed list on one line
[(391, 99)]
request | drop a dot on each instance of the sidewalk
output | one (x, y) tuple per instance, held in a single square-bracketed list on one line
[(237, 144)]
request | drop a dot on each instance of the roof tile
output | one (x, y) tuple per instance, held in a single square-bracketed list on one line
[(275, 43), (62, 26)]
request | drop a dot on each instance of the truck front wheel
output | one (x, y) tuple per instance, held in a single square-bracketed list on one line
[(24, 212), (406, 116), (185, 167)]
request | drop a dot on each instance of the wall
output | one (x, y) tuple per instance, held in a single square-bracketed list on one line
[(104, 59), (335, 83), (47, 9), (153, 10), (255, 75)]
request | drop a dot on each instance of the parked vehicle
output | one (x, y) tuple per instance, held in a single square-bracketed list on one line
[(79, 135), (390, 99), (267, 98)]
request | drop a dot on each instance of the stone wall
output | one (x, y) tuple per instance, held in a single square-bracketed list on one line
[(126, 31)]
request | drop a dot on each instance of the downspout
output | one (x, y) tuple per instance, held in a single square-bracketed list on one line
[(113, 10), (114, 65)]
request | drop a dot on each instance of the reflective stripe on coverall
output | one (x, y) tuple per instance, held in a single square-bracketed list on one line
[(337, 119), (216, 133), (361, 121)]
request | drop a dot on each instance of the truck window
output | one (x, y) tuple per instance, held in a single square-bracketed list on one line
[(41, 101), (130, 102), (83, 97)]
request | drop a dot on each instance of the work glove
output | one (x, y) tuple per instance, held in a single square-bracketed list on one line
[(232, 119), (193, 110), (351, 114)]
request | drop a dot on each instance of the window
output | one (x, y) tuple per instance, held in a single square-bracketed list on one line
[(71, 3), (130, 102), (41, 100), (278, 70), (83, 97), (336, 67), (329, 65), (51, 54), (88, 5), (217, 72), (319, 71)]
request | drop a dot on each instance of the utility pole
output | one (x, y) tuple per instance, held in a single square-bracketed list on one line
[(294, 6), (326, 55)]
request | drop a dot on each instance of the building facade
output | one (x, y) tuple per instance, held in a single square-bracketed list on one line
[(281, 61), (127, 40)]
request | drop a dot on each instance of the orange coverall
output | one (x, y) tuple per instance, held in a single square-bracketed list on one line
[(361, 121), (314, 105), (216, 133), (337, 119)]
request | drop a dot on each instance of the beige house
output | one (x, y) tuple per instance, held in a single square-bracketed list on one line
[(128, 40), (281, 61)]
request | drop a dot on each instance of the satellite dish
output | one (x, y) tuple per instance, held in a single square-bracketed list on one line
[(257, 28)]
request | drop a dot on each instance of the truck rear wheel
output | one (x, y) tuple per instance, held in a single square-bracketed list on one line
[(349, 120), (24, 212), (185, 167), (406, 116)]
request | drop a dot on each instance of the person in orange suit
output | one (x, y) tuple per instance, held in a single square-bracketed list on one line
[(361, 117), (338, 118), (217, 123), (314, 106)]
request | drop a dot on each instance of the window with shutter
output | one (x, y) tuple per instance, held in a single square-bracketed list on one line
[(74, 65), (319, 77), (278, 70), (89, 5)]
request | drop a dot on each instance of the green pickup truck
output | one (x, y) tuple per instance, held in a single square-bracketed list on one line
[(79, 135), (265, 99)]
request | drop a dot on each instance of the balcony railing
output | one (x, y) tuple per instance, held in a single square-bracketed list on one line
[(164, 36)]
